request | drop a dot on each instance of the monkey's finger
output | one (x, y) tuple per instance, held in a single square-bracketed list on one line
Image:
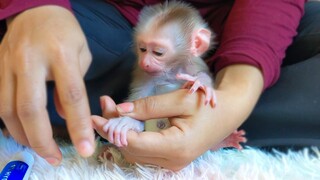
[(123, 136), (196, 85), (109, 129), (208, 93), (214, 99), (186, 77), (240, 132), (118, 132), (187, 85)]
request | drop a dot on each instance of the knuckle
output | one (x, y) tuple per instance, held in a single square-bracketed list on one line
[(149, 104), (74, 94), (28, 109), (39, 146)]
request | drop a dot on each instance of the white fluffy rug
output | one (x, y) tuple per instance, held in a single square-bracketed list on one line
[(224, 164)]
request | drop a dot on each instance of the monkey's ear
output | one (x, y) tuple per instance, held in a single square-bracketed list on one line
[(200, 41)]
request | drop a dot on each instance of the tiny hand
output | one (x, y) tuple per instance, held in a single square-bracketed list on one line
[(115, 129), (202, 82), (111, 126)]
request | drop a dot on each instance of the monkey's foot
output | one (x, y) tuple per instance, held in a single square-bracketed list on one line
[(233, 140), (110, 153), (199, 82), (117, 128)]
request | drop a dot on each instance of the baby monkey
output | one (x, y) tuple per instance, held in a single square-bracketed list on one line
[(170, 39)]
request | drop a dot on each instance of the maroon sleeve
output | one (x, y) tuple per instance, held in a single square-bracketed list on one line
[(12, 7), (258, 32)]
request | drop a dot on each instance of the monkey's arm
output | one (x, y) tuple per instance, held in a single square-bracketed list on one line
[(200, 81), (198, 77)]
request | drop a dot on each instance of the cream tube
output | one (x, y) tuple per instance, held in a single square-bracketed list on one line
[(18, 168)]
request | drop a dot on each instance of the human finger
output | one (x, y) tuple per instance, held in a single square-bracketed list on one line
[(175, 164), (108, 107), (147, 143), (72, 95), (98, 123), (31, 108), (177, 103), (7, 104)]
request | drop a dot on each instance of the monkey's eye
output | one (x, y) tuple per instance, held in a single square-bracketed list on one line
[(157, 53), (143, 49)]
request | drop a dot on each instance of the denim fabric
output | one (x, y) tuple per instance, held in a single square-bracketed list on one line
[(109, 37)]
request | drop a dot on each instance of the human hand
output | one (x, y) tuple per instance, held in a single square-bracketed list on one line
[(195, 127), (176, 150), (42, 44)]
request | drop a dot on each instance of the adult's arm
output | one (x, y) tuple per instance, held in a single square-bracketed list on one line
[(257, 33)]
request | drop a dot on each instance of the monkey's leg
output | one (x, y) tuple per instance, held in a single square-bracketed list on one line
[(117, 129), (200, 81), (233, 140)]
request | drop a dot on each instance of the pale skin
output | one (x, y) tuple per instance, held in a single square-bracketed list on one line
[(45, 44), (238, 88)]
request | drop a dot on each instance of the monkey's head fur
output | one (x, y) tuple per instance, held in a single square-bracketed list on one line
[(179, 25)]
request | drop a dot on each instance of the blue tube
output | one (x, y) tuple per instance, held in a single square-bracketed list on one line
[(18, 168)]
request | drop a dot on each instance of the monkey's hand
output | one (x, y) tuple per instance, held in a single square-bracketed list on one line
[(116, 129), (200, 81)]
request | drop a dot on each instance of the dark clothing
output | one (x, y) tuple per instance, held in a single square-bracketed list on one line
[(248, 31)]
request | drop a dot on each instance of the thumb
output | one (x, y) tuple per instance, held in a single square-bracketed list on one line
[(177, 103)]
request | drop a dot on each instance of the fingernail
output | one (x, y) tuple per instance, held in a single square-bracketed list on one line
[(125, 108), (53, 161), (85, 148)]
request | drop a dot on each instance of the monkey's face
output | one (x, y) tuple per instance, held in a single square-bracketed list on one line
[(154, 54)]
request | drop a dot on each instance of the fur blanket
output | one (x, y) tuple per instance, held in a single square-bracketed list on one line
[(249, 163)]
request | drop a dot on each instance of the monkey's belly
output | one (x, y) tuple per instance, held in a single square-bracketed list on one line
[(156, 125)]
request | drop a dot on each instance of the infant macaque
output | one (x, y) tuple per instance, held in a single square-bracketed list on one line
[(170, 39)]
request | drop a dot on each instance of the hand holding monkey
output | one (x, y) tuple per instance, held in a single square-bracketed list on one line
[(169, 40), (196, 127)]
